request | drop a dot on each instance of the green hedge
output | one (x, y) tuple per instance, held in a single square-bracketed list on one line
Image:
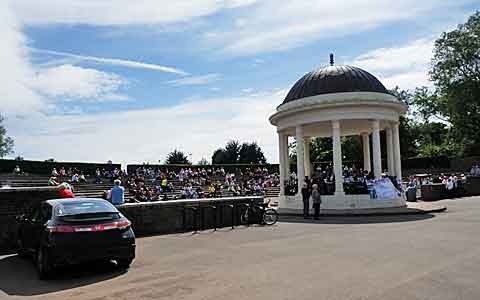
[(44, 167)]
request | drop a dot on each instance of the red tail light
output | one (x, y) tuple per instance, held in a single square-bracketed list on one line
[(89, 228)]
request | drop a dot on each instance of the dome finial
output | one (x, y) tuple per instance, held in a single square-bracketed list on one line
[(331, 59)]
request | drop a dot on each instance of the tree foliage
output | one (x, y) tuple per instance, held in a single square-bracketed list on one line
[(177, 157), (234, 152), (251, 153), (6, 142), (455, 73)]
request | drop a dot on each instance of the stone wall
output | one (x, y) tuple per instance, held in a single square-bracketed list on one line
[(15, 201), (185, 215), (147, 218)]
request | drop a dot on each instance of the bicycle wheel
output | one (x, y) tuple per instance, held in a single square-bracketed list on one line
[(244, 217), (270, 216)]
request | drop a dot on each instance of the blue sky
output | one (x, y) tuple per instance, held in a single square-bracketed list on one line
[(131, 81)]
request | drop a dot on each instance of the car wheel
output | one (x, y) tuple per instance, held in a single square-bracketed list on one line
[(44, 265), (124, 263)]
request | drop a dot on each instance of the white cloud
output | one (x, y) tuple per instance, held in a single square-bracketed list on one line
[(198, 127), (116, 62), (295, 23), (406, 66), (196, 80), (118, 12), (73, 82), (16, 94)]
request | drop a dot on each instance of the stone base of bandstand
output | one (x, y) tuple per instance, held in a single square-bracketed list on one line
[(342, 204)]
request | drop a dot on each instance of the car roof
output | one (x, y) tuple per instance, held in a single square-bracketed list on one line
[(54, 202)]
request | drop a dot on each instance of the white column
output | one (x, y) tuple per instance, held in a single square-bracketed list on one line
[(300, 157), (366, 152), (396, 150), (377, 158), (306, 158), (390, 159), (287, 157), (282, 162), (337, 157)]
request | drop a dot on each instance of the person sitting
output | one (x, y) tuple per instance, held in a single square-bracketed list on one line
[(117, 193), (75, 178), (211, 190), (17, 170), (54, 172), (64, 191), (475, 171), (98, 176), (82, 178), (52, 181)]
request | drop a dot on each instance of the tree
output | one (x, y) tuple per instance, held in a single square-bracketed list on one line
[(455, 73), (251, 153), (6, 142), (203, 162), (219, 157), (232, 152), (177, 157)]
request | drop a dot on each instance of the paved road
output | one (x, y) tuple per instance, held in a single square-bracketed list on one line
[(409, 257)]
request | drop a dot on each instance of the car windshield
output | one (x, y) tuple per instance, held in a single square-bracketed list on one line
[(84, 207)]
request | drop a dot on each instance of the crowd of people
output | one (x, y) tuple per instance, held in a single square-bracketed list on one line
[(355, 180), (74, 175), (196, 183)]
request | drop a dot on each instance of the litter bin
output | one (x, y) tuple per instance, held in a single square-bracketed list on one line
[(411, 194)]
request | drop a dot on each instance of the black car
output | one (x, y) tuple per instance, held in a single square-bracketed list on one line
[(72, 231)]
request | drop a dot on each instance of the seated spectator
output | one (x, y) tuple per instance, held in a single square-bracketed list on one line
[(52, 181), (475, 171), (54, 172), (64, 191), (164, 184), (117, 193), (211, 190), (74, 178), (82, 178), (17, 170)]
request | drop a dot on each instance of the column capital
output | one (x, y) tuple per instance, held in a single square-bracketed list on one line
[(375, 124), (364, 133), (299, 130), (336, 124)]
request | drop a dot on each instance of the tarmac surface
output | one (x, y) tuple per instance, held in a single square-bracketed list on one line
[(427, 256)]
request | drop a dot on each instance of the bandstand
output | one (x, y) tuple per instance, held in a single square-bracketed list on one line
[(337, 101)]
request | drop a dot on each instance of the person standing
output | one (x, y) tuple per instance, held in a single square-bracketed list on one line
[(316, 201), (306, 200)]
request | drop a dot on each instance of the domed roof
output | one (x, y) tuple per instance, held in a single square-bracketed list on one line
[(334, 79)]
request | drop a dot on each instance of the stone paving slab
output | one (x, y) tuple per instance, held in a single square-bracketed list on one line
[(412, 208)]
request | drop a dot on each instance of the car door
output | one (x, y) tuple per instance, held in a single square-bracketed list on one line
[(39, 226), (28, 225)]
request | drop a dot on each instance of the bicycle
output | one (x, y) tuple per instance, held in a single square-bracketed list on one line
[(266, 215)]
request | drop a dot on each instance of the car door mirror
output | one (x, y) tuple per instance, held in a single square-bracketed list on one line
[(21, 218)]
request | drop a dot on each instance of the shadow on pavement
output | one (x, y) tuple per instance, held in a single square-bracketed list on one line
[(356, 219), (18, 276)]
